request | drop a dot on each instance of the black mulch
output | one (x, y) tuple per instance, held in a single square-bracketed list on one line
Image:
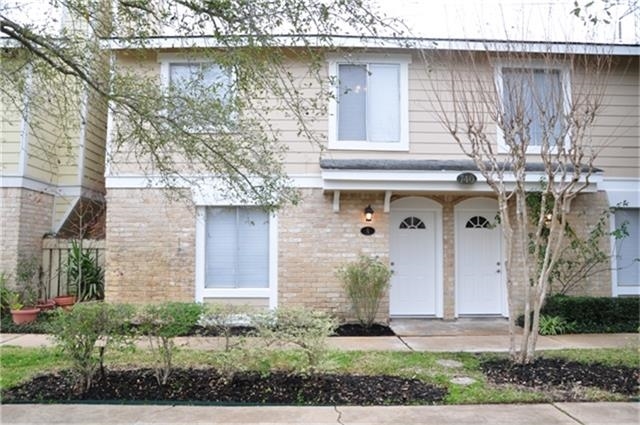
[(356, 329), (564, 374), (346, 329), (206, 385)]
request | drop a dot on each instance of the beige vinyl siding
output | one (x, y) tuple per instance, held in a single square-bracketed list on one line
[(94, 144), (42, 161), (54, 126), (616, 130), (10, 126), (61, 206)]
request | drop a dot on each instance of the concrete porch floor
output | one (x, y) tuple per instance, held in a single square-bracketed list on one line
[(476, 326)]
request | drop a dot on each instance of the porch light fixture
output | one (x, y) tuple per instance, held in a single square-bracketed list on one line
[(547, 220), (368, 213)]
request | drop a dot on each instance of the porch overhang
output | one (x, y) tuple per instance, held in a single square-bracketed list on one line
[(435, 176), (420, 175)]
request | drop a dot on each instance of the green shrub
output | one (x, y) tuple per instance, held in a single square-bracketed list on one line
[(78, 331), (5, 295), (85, 276), (161, 323), (594, 314), (307, 329), (365, 282), (223, 319), (554, 325)]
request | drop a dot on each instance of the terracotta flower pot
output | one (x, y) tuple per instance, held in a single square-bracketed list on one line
[(25, 315), (65, 301)]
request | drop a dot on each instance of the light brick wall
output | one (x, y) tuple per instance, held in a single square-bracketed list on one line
[(314, 242), (150, 247), (586, 210), (26, 217)]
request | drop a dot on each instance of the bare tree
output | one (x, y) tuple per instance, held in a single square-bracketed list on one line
[(513, 113)]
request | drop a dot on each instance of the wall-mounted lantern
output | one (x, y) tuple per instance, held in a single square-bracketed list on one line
[(368, 213)]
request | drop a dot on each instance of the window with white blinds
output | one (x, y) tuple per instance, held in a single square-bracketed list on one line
[(369, 102), (370, 108), (237, 248), (628, 248), (197, 79), (534, 101)]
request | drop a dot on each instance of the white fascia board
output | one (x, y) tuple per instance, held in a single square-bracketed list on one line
[(444, 181), (387, 42), (20, 182)]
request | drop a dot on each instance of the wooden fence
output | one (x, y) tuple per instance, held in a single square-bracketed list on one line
[(55, 253)]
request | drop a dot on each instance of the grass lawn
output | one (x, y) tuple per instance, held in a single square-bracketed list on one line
[(20, 364)]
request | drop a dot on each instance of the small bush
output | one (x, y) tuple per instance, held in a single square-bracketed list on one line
[(78, 331), (594, 314), (554, 325), (161, 323), (365, 282), (223, 320), (307, 329)]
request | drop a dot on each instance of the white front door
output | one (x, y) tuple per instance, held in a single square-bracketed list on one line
[(479, 268), (415, 258)]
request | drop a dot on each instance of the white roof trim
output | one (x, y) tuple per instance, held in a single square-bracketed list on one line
[(390, 42)]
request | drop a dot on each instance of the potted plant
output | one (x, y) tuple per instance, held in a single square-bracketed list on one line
[(22, 308)]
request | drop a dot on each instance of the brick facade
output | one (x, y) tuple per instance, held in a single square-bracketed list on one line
[(150, 254), (26, 218), (151, 247)]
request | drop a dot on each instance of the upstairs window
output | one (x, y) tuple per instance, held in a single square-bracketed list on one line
[(534, 105), (370, 108), (200, 93)]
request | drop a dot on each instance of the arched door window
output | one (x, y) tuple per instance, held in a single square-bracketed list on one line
[(478, 222), (412, 223)]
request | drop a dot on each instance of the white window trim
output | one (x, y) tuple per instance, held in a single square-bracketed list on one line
[(565, 79), (397, 59), (201, 292)]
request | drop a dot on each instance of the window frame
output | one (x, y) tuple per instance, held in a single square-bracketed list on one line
[(167, 59), (565, 81), (622, 288), (201, 291), (403, 61)]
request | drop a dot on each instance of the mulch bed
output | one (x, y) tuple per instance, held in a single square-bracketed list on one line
[(206, 385), (561, 380), (564, 375), (356, 329)]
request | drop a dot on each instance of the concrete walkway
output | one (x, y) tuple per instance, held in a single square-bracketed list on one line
[(504, 414), (468, 343)]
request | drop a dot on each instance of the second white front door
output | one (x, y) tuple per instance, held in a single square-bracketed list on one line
[(479, 268), (415, 257)]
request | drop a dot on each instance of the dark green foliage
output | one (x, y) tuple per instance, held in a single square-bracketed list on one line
[(169, 319), (594, 314), (85, 276)]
